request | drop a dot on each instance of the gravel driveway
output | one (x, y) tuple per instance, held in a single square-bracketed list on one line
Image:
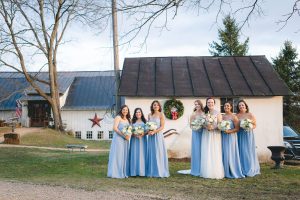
[(27, 191)]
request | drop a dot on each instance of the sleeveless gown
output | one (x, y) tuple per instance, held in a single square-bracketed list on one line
[(231, 157), (196, 152), (248, 155), (118, 155), (137, 154), (157, 158), (211, 153)]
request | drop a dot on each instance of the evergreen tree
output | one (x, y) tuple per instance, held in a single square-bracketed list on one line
[(288, 67), (229, 40)]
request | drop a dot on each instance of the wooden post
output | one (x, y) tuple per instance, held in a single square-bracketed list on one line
[(116, 54)]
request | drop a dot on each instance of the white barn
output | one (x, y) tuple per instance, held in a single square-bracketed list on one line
[(251, 78), (82, 96)]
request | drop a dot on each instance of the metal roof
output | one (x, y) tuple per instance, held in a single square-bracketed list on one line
[(88, 90), (89, 93), (11, 89), (64, 78), (200, 77)]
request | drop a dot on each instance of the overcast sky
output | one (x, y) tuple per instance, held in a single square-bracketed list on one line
[(189, 34)]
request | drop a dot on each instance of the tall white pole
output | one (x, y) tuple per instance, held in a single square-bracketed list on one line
[(116, 53)]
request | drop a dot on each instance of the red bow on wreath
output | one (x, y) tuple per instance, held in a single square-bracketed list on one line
[(174, 115)]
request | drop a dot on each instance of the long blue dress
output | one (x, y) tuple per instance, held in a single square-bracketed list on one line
[(196, 152), (231, 156), (247, 150), (137, 154), (118, 155), (157, 158)]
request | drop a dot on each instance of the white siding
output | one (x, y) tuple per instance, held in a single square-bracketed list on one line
[(79, 121), (267, 110), (5, 115)]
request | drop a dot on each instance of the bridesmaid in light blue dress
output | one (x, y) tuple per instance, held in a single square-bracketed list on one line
[(119, 150), (196, 139), (230, 149), (157, 158), (138, 144), (247, 147)]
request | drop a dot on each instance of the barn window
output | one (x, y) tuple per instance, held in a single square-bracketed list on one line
[(78, 134), (234, 103), (100, 135), (89, 135), (110, 134)]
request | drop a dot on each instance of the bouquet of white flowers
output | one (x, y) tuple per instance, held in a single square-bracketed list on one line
[(209, 119), (127, 130), (138, 130), (197, 124), (246, 124), (151, 126), (224, 125)]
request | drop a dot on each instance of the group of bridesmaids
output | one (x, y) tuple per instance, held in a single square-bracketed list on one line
[(217, 154), (138, 155)]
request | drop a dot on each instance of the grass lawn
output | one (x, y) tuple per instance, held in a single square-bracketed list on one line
[(52, 138), (4, 130), (87, 170)]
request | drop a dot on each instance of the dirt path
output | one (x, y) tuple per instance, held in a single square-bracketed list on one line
[(27, 191)]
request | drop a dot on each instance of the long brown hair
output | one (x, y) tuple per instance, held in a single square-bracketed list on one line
[(200, 103), (151, 107), (121, 114), (134, 118)]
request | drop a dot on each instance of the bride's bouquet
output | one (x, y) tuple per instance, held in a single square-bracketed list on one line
[(197, 124), (151, 126), (246, 124), (224, 125), (138, 130), (127, 130), (209, 119)]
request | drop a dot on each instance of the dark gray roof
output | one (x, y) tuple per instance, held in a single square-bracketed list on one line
[(200, 77), (11, 89), (91, 93)]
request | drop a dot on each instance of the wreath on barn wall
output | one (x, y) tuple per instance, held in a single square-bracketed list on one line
[(173, 109)]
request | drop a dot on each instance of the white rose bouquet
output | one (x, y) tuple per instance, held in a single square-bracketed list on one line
[(127, 130), (246, 124), (224, 125), (151, 126), (197, 124), (209, 119), (138, 130)]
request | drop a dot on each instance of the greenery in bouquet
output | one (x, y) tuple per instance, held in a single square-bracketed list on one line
[(209, 119), (197, 124), (224, 125), (127, 130), (138, 130), (151, 126), (246, 124)]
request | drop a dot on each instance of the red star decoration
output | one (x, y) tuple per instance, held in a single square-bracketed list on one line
[(96, 120)]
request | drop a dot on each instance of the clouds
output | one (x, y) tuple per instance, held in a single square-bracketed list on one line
[(189, 35)]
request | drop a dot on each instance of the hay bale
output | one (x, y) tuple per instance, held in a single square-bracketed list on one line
[(11, 138)]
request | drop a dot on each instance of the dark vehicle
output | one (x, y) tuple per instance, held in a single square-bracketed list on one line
[(291, 141)]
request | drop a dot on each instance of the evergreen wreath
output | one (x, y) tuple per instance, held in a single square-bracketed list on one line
[(173, 109)]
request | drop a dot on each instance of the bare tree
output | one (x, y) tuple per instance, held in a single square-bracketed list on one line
[(34, 29), (145, 13)]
